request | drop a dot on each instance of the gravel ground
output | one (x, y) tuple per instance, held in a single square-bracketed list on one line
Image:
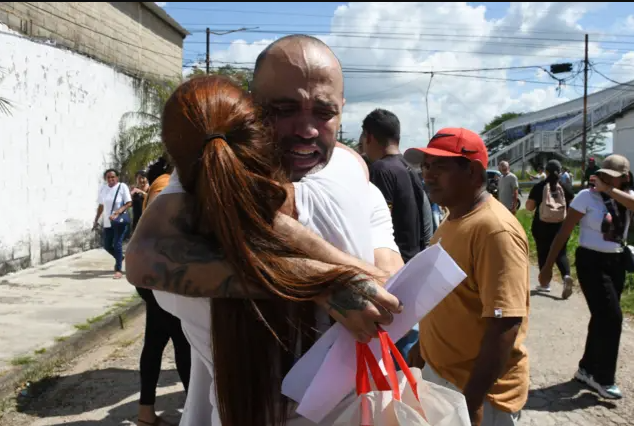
[(101, 388)]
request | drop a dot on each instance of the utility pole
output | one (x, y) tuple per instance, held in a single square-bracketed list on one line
[(208, 61), (433, 121), (584, 136), (341, 133), (221, 33), (427, 106)]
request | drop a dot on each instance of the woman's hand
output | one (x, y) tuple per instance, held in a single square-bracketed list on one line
[(362, 307), (601, 186), (545, 276), (114, 216)]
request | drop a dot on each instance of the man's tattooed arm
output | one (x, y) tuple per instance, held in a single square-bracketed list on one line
[(165, 255)]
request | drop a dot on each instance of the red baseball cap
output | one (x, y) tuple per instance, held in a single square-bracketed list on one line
[(452, 142)]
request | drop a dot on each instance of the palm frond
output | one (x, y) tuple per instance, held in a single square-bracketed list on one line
[(138, 142), (141, 157), (5, 106), (138, 118)]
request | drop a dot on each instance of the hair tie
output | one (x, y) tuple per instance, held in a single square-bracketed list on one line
[(213, 136)]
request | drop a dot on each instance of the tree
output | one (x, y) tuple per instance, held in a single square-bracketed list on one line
[(499, 119), (139, 140), (241, 76), (350, 143), (595, 142)]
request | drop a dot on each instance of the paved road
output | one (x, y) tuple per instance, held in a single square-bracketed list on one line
[(42, 304), (101, 388)]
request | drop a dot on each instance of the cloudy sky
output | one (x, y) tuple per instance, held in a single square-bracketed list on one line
[(388, 49)]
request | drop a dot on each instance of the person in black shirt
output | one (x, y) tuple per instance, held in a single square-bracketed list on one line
[(401, 187), (403, 191), (139, 192), (591, 170), (543, 232)]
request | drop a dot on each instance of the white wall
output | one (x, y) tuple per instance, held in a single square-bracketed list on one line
[(54, 147), (623, 136)]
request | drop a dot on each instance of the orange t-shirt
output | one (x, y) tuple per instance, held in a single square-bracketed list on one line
[(157, 186), (491, 247)]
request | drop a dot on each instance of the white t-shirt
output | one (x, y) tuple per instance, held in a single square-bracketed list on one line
[(106, 197), (338, 204), (590, 203)]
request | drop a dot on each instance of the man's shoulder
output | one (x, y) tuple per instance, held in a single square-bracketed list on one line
[(391, 165), (495, 218)]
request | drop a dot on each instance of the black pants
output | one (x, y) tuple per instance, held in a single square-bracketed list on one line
[(160, 327), (602, 277), (544, 237)]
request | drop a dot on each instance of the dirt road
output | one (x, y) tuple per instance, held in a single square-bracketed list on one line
[(101, 388)]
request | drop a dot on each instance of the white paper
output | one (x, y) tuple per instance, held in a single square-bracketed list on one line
[(325, 375)]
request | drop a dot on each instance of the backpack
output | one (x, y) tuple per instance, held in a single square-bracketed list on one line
[(553, 206)]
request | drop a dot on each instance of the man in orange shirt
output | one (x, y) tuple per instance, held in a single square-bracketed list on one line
[(473, 340)]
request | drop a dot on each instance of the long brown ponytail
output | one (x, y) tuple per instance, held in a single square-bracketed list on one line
[(226, 159)]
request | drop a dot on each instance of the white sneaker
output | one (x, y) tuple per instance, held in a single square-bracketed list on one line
[(541, 289), (608, 392), (568, 282), (583, 376)]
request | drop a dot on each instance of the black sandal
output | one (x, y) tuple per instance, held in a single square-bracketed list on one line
[(157, 422)]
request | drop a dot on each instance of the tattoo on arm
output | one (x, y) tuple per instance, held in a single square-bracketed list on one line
[(171, 280), (178, 255), (188, 249), (352, 298)]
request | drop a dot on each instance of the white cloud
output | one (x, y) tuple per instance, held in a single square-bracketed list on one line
[(447, 36), (161, 3)]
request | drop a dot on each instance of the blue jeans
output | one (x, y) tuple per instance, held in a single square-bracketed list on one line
[(407, 342), (113, 243)]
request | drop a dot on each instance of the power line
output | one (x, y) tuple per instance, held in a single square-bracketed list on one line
[(449, 74), (474, 52), (609, 79), (432, 37), (419, 35), (331, 16)]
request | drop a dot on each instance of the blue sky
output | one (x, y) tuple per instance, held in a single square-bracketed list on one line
[(518, 34)]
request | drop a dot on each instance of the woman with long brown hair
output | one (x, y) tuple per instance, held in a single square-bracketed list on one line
[(227, 162)]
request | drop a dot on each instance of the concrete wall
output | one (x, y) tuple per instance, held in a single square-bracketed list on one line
[(54, 147), (623, 136), (125, 34)]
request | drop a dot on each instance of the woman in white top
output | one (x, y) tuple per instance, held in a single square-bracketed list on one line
[(260, 321), (603, 214), (115, 200)]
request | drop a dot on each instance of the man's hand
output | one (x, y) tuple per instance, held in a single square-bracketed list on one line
[(545, 276), (361, 308), (495, 350), (114, 216)]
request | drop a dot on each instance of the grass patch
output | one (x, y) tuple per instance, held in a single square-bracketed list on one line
[(40, 351), (60, 339), (526, 219), (126, 343), (22, 360), (82, 326), (97, 318), (125, 302)]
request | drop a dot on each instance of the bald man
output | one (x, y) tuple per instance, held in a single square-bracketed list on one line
[(508, 187), (298, 81)]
